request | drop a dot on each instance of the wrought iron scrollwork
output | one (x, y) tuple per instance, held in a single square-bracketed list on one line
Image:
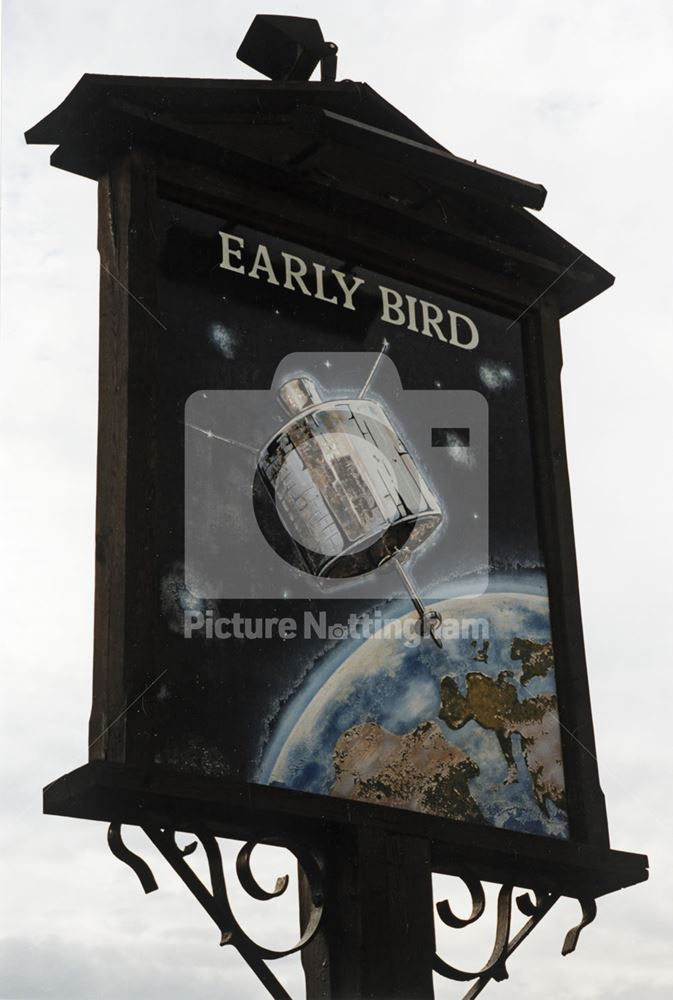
[(534, 906), (588, 916), (215, 899), (135, 863)]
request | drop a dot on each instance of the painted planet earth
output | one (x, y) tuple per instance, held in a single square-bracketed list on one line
[(469, 731)]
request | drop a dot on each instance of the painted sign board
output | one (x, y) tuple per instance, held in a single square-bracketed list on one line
[(336, 578), (278, 676)]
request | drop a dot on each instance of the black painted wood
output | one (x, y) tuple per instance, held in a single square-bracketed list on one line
[(586, 802), (245, 128), (377, 940), (114, 792), (127, 589)]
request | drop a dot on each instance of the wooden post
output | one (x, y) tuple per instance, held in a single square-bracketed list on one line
[(377, 939)]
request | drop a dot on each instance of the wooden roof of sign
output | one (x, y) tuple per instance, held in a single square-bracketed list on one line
[(338, 143)]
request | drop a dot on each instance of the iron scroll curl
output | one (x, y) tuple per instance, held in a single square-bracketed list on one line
[(215, 898), (533, 905)]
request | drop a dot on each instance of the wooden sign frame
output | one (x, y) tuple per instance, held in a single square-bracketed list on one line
[(116, 785)]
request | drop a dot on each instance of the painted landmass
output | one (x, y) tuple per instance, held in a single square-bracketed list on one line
[(420, 770), (494, 704), (537, 658), (469, 731)]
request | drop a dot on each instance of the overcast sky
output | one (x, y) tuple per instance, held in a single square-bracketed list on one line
[(576, 96)]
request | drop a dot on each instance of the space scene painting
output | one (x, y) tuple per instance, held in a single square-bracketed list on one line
[(469, 731), (364, 703)]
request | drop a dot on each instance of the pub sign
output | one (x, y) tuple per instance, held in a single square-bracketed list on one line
[(335, 578)]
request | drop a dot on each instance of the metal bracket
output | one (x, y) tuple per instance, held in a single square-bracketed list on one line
[(215, 899), (535, 909)]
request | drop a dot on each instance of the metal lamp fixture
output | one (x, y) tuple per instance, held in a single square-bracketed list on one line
[(287, 48)]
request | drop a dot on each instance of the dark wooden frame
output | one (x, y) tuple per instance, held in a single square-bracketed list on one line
[(112, 787)]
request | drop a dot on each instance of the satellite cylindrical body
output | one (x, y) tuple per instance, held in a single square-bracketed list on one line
[(344, 486)]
